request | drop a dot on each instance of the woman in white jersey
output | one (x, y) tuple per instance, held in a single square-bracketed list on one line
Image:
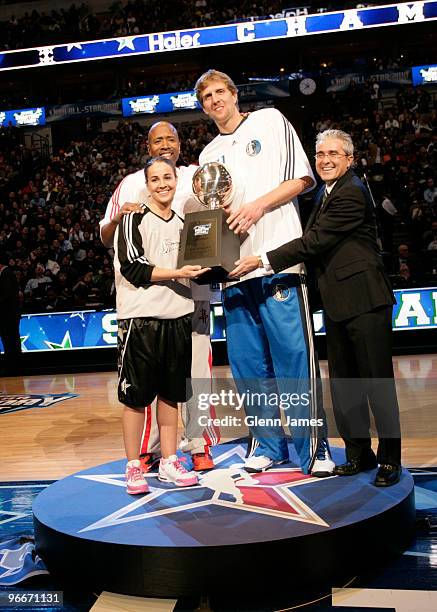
[(154, 350)]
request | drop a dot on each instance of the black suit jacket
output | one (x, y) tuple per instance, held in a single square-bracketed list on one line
[(340, 244)]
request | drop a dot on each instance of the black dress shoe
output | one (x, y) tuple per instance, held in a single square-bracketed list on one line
[(354, 466), (387, 475)]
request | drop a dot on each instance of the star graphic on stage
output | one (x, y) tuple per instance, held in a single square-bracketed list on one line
[(228, 485)]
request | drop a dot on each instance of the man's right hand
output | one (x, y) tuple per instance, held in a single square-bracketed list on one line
[(108, 230), (127, 207)]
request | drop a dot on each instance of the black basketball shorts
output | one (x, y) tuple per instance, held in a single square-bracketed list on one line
[(154, 358)]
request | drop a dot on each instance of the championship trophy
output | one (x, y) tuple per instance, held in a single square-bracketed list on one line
[(206, 239)]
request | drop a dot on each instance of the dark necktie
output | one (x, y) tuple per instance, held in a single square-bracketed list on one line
[(322, 202), (325, 197)]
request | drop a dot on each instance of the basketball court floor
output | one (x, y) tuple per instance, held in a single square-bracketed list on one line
[(52, 426)]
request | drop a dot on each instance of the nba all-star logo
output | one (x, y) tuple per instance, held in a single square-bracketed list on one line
[(269, 493)]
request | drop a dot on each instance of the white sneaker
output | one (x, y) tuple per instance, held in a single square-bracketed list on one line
[(258, 463), (135, 481), (323, 465), (172, 470), (323, 468)]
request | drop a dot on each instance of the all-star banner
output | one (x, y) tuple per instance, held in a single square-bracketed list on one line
[(98, 108), (384, 79), (400, 13)]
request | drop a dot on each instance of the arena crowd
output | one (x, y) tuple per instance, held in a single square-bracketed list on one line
[(50, 207)]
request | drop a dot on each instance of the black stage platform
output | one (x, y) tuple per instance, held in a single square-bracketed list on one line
[(236, 532)]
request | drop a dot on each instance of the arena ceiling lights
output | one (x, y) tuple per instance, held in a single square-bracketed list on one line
[(230, 34)]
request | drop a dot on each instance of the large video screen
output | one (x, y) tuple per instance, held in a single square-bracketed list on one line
[(160, 103), (23, 117), (424, 75)]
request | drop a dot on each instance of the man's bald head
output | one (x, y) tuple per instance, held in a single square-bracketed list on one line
[(163, 141)]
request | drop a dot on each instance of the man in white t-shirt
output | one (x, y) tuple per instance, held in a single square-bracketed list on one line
[(268, 322), (163, 140)]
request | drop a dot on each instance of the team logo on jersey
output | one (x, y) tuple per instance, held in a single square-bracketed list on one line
[(253, 148), (203, 315), (280, 293), (167, 246), (124, 386)]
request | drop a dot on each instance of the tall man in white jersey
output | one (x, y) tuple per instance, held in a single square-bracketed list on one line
[(268, 322), (163, 140)]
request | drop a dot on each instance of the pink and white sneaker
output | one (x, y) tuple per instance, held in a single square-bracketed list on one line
[(172, 470), (135, 481)]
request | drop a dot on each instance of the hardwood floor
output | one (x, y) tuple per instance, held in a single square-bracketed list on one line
[(53, 442)]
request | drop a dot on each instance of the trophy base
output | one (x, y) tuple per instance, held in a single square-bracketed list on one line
[(217, 274), (206, 240)]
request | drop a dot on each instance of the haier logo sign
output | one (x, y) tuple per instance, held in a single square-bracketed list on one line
[(176, 40)]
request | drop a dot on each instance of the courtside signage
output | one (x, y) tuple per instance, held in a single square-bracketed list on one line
[(13, 403), (89, 329), (401, 13)]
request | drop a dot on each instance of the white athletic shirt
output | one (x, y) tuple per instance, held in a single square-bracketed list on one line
[(133, 188), (263, 152), (143, 241)]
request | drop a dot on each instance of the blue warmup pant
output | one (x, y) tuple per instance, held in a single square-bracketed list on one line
[(271, 354)]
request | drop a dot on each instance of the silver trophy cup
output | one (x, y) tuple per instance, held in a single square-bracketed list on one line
[(212, 185)]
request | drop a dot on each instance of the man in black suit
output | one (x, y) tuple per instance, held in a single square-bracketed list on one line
[(340, 245)]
